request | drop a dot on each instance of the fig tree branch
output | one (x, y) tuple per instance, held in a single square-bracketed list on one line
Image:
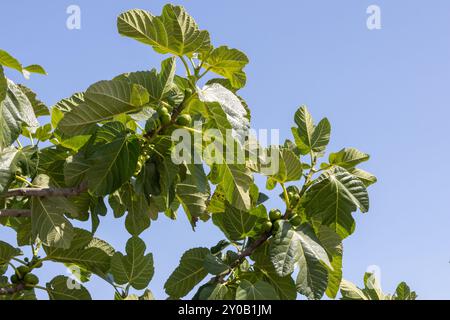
[(17, 213), (242, 255), (11, 290), (45, 192), (250, 249)]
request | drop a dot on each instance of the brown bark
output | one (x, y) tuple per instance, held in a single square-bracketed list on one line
[(18, 213)]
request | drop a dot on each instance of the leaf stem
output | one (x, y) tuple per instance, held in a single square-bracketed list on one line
[(203, 74), (186, 66), (193, 65), (286, 196), (20, 261), (31, 138), (127, 290), (41, 288), (24, 180), (309, 176), (139, 126), (189, 129), (13, 266)]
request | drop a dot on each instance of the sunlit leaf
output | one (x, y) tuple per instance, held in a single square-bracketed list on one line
[(173, 32)]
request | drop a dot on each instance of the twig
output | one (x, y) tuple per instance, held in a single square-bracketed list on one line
[(17, 288), (241, 256), (18, 213), (176, 112), (185, 65), (250, 249), (45, 192)]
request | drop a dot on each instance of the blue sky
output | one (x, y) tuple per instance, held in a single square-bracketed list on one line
[(385, 92)]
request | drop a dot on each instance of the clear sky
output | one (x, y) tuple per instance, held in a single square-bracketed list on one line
[(385, 92)]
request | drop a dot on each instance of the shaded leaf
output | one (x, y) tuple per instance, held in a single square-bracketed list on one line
[(238, 224), (7, 252), (289, 245), (332, 243), (59, 289), (136, 268), (114, 162), (138, 217), (403, 292), (15, 111), (333, 197), (193, 192), (188, 274), (40, 109), (49, 224), (285, 286), (259, 290), (214, 265), (102, 101), (92, 255), (289, 168)]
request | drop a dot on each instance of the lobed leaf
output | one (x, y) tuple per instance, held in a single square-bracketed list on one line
[(136, 268), (309, 137), (59, 289), (260, 290), (114, 161), (291, 246), (332, 199), (348, 158), (228, 63), (16, 111), (49, 224), (173, 32), (7, 252), (188, 274), (102, 101)]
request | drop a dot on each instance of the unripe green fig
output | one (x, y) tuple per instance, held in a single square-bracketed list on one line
[(267, 226), (276, 226), (275, 215), (296, 220), (37, 265), (14, 279), (22, 271), (165, 119), (162, 110), (184, 120), (295, 199), (31, 279)]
